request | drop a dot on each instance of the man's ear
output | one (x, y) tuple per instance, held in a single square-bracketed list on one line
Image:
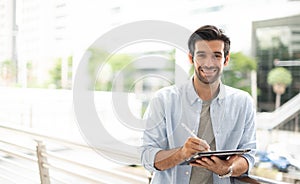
[(191, 58), (227, 60)]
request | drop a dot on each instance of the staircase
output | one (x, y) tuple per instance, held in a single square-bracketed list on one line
[(288, 111)]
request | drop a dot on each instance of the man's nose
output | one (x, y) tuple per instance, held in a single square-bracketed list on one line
[(209, 61)]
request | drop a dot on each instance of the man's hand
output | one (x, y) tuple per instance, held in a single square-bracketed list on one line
[(221, 167), (166, 159), (215, 164), (192, 146)]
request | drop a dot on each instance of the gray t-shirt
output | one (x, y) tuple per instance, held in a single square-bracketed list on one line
[(201, 175)]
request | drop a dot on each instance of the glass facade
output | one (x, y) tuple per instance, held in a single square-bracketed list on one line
[(276, 40)]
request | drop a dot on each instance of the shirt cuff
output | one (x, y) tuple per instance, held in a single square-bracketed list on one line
[(250, 161), (150, 158)]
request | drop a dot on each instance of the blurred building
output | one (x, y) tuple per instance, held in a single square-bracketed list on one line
[(276, 39), (276, 42), (57, 30), (42, 38), (6, 29), (49, 33)]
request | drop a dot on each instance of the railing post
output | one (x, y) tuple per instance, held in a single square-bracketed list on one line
[(149, 176), (44, 172)]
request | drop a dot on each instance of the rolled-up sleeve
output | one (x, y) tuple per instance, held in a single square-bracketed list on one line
[(148, 158), (154, 137), (250, 159), (249, 138)]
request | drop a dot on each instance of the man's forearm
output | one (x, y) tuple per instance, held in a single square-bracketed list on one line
[(240, 166), (166, 159)]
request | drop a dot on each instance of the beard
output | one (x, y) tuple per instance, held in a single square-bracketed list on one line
[(208, 75)]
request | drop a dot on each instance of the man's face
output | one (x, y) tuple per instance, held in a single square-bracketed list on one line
[(209, 60)]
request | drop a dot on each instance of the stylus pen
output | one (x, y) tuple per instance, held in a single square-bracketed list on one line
[(189, 130), (193, 134)]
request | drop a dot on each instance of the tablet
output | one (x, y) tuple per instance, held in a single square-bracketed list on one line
[(223, 154)]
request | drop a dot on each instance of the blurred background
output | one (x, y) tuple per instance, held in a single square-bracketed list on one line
[(42, 42)]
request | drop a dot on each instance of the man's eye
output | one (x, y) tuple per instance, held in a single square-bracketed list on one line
[(201, 55)]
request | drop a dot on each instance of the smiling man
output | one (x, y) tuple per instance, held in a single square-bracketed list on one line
[(222, 118)]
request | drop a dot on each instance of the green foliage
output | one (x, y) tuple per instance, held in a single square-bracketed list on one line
[(237, 73), (96, 57), (31, 79), (70, 65), (8, 64), (55, 74), (279, 75), (109, 65), (8, 72), (119, 61), (191, 71), (242, 63), (172, 55), (118, 64), (119, 70)]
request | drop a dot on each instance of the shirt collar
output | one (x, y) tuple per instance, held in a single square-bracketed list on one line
[(193, 96)]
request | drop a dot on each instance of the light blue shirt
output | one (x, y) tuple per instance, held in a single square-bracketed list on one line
[(233, 121)]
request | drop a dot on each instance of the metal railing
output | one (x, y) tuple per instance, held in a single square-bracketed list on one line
[(24, 159), (288, 111), (258, 180), (32, 163)]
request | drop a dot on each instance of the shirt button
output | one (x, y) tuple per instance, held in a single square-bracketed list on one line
[(186, 172)]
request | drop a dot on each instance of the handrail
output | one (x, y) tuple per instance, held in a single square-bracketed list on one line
[(286, 112), (258, 180), (15, 163), (12, 162), (16, 154), (98, 170), (47, 165), (35, 135), (19, 146)]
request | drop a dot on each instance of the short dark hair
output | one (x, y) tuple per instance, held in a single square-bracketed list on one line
[(209, 32)]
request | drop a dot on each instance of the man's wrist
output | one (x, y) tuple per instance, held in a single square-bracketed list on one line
[(181, 154), (228, 174)]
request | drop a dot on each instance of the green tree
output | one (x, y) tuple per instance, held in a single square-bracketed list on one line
[(96, 57), (70, 66), (31, 78), (55, 73), (8, 72), (279, 78), (237, 73), (103, 67), (120, 64)]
